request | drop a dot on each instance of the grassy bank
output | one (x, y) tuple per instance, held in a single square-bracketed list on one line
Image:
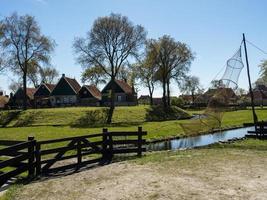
[(125, 118)]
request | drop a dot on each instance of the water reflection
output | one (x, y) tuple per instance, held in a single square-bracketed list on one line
[(198, 141)]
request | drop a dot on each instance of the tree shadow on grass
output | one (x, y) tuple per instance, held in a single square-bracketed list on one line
[(159, 113)]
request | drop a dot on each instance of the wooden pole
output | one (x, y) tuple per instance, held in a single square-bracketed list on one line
[(139, 153), (255, 118), (31, 157)]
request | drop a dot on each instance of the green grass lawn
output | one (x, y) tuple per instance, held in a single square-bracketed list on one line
[(45, 123)]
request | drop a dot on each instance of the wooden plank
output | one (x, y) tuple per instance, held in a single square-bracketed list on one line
[(12, 161), (14, 148), (59, 155), (58, 150), (116, 142), (9, 142), (6, 176)]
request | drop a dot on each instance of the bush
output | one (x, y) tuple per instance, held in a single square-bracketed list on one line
[(92, 118), (158, 113), (179, 102)]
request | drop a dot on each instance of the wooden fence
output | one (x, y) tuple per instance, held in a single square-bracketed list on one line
[(17, 159), (47, 157), (259, 132)]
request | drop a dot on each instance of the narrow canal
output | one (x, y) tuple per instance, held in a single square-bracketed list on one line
[(198, 141)]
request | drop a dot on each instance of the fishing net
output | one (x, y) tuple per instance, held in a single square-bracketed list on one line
[(218, 99), (232, 71)]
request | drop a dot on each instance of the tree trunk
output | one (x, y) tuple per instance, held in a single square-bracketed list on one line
[(193, 97), (164, 93), (24, 91), (112, 101), (168, 93), (150, 95)]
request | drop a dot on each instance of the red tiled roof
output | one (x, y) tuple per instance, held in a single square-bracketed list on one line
[(124, 86), (74, 84), (93, 90), (50, 86), (30, 92)]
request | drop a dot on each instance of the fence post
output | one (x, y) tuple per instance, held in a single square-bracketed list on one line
[(31, 157), (79, 154), (139, 152), (110, 150), (38, 158), (104, 144)]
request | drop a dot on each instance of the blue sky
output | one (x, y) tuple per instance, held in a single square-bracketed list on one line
[(212, 28)]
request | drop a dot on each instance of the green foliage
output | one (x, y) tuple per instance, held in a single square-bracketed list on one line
[(92, 118), (159, 113), (175, 101)]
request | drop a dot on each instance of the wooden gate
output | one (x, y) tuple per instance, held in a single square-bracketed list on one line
[(72, 153), (16, 159)]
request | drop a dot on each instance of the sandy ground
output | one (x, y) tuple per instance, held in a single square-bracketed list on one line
[(195, 177)]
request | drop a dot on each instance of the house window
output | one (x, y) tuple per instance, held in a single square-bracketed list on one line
[(119, 98), (70, 100), (65, 99)]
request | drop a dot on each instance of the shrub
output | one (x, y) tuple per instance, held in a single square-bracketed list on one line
[(179, 102)]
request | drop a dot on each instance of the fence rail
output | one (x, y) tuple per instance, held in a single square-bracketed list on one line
[(38, 158), (17, 159)]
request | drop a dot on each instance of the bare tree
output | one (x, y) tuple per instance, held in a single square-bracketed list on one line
[(48, 74), (94, 75), (173, 60), (191, 85), (146, 73), (14, 86), (22, 41), (109, 45)]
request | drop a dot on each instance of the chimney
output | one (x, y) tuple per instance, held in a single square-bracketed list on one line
[(63, 75)]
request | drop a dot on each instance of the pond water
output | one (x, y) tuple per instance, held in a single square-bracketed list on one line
[(198, 141)]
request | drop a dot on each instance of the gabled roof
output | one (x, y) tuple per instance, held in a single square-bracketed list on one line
[(125, 87), (30, 92), (73, 83), (44, 89), (74, 86), (50, 87), (93, 90)]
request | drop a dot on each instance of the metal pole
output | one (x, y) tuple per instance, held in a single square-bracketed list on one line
[(255, 118)]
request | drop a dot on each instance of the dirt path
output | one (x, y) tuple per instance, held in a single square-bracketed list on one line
[(194, 175)]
